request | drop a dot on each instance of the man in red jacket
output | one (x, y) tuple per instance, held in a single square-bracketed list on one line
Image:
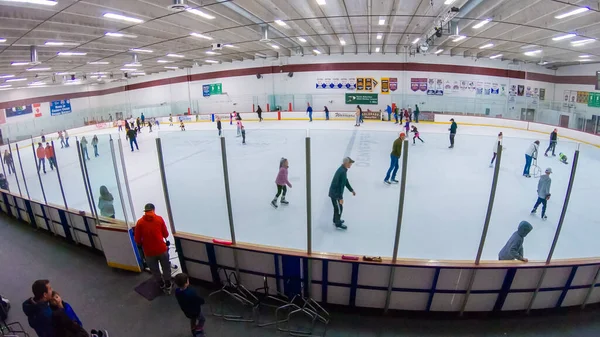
[(41, 156), (150, 233)]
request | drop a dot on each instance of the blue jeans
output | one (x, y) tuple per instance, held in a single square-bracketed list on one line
[(310, 116), (133, 141), (542, 201), (393, 168), (95, 150), (528, 160), (84, 153), (327, 116)]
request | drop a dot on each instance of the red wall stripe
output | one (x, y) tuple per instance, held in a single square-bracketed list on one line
[(378, 66)]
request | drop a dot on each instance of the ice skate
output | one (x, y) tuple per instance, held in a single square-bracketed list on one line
[(553, 155), (394, 181), (387, 182), (340, 226), (274, 203), (284, 202), (166, 287), (533, 211), (544, 217), (451, 146), (491, 165), (545, 155)]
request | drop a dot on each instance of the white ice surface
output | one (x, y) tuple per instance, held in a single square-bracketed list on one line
[(446, 197)]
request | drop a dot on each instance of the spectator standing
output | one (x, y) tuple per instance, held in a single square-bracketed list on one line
[(49, 150), (41, 156), (417, 112), (95, 145), (530, 155), (336, 191), (259, 113), (543, 190), (553, 141), (37, 309), (150, 233), (190, 303), (105, 203), (452, 130), (8, 161), (309, 111), (513, 249)]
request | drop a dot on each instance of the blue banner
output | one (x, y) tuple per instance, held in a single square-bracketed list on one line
[(58, 108), (206, 90), (19, 111)]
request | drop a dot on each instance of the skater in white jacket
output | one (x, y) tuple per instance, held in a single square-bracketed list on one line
[(530, 155), (496, 148)]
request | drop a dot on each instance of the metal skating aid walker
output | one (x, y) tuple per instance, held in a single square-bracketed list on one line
[(309, 308), (234, 290)]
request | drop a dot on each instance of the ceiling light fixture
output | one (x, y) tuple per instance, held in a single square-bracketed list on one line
[(5, 86), (210, 52), (138, 74), (377, 50), (7, 76), (19, 63), (39, 69), (2, 40), (448, 2), (379, 36), (585, 60), (529, 46), (274, 46), (564, 37), (171, 67), (133, 65), (381, 20), (495, 56), (122, 18), (71, 53), (198, 35), (211, 61), (316, 51), (128, 69), (342, 42), (16, 80), (438, 51), (482, 23), (176, 55), (99, 73), (581, 56), (120, 35), (321, 2), (141, 50), (164, 61), (489, 45), (581, 42), (532, 53), (35, 2), (37, 83), (416, 40), (460, 38), (199, 13), (99, 62), (63, 73), (573, 12), (51, 43), (281, 23), (231, 46), (301, 39)]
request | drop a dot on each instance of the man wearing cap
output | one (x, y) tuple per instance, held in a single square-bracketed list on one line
[(543, 191), (150, 233), (394, 157), (336, 191)]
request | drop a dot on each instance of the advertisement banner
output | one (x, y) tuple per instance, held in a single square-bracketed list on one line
[(479, 90), (369, 99), (520, 90), (360, 84), (61, 107), (18, 111), (37, 110), (206, 90), (487, 88), (528, 92), (393, 83), (320, 83), (336, 83), (572, 98), (542, 94), (455, 86), (594, 99), (385, 85), (495, 90), (502, 89), (376, 115), (368, 84), (583, 97)]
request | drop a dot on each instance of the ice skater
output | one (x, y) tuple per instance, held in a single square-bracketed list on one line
[(132, 136), (170, 119), (552, 145), (95, 145), (513, 249), (530, 155), (150, 126), (309, 111), (357, 116), (407, 126), (219, 125), (66, 138), (49, 151), (138, 123), (41, 156), (259, 113), (326, 113), (62, 139), (84, 150), (143, 118), (282, 183), (417, 112), (563, 158), (407, 115), (119, 123), (417, 135), (182, 126), (388, 109), (397, 114), (452, 130), (543, 190), (8, 161), (394, 157), (243, 130), (336, 191), (499, 140), (362, 120), (238, 127), (157, 123)]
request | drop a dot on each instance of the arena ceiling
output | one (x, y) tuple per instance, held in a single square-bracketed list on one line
[(100, 37)]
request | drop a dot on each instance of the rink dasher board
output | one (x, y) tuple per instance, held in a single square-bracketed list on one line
[(417, 285)]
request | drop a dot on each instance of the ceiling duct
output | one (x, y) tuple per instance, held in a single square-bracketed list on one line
[(265, 33), (33, 55), (178, 5)]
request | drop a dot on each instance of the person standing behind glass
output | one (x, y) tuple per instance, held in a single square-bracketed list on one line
[(66, 138), (326, 114), (105, 203), (8, 161), (95, 145), (417, 112), (84, 150), (41, 156)]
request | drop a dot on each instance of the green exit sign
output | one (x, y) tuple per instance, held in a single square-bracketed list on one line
[(368, 99), (216, 89)]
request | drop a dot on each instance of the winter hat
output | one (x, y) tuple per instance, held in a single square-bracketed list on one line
[(548, 170), (402, 134)]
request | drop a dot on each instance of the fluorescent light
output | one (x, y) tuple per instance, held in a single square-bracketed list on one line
[(274, 46), (211, 61), (379, 36), (564, 37), (133, 65), (200, 13), (584, 60), (573, 12), (342, 42), (19, 63), (2, 40), (231, 46), (122, 18), (581, 42), (128, 69), (438, 51), (198, 35), (381, 21), (210, 52), (482, 23), (448, 2), (460, 38), (495, 56), (321, 2), (176, 55), (581, 56), (16, 80), (35, 2), (99, 62), (37, 83), (377, 50), (5, 86), (63, 73), (99, 73), (533, 52), (301, 39), (141, 50), (7, 76), (281, 23), (138, 74), (489, 45), (260, 55), (71, 53), (171, 67), (416, 40), (120, 35), (316, 51), (51, 43), (164, 61), (529, 46), (39, 69)]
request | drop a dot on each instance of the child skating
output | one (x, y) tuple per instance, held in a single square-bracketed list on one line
[(417, 135), (182, 126), (282, 182), (563, 158), (239, 127), (407, 126), (219, 125), (243, 135), (496, 148)]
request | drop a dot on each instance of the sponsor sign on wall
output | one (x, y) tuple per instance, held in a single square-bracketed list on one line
[(61, 107), (418, 84), (356, 98), (205, 90), (336, 83), (37, 110), (385, 85), (19, 111), (583, 97), (393, 83), (542, 94), (594, 99)]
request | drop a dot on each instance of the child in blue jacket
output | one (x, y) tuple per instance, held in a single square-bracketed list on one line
[(57, 303)]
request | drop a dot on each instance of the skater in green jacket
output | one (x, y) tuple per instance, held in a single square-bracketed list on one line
[(336, 191)]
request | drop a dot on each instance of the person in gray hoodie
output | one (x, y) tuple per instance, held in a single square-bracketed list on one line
[(513, 249), (543, 191), (105, 203)]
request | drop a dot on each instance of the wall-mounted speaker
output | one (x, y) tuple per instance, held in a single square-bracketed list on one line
[(259, 76), (290, 74)]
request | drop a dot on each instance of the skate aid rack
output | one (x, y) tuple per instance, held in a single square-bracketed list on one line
[(268, 301), (300, 305), (234, 290)]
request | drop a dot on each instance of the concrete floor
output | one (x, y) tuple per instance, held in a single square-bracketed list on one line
[(105, 298)]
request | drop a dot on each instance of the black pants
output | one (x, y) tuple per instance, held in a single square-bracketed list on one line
[(493, 158), (419, 138), (11, 165), (52, 162), (281, 188), (552, 147), (452, 139), (337, 211), (260, 116)]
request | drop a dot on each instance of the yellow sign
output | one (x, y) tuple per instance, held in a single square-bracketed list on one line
[(385, 85), (365, 83)]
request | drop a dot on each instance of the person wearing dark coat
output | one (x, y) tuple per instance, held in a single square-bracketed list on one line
[(336, 191), (259, 113)]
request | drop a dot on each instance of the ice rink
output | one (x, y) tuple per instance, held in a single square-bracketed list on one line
[(446, 197)]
